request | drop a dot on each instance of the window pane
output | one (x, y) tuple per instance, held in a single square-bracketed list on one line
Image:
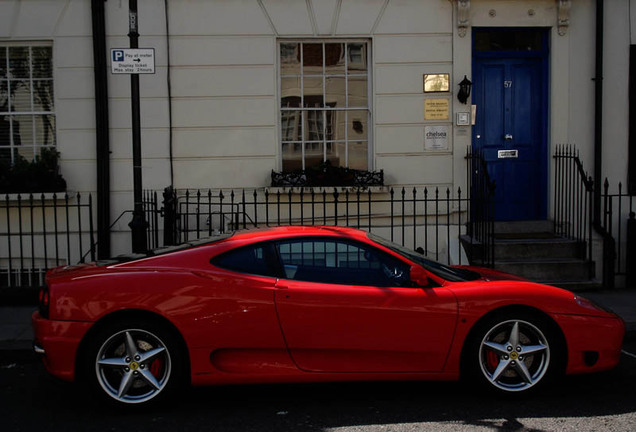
[(335, 59), (249, 260), (26, 152), (335, 91), (3, 63), (313, 154), (359, 155), (357, 125), (290, 92), (7, 154), (4, 96), (336, 153), (289, 58), (5, 130), (42, 95), (292, 156), (19, 62), (312, 89), (20, 97), (517, 40), (357, 92), (45, 130), (42, 67), (312, 58), (314, 130), (291, 126), (22, 130), (357, 57), (340, 121)]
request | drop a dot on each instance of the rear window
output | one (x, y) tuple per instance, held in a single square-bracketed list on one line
[(164, 250), (258, 260)]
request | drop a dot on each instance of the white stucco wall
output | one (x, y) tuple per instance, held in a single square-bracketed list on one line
[(224, 80)]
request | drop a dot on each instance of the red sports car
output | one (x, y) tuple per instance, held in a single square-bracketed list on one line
[(293, 304)]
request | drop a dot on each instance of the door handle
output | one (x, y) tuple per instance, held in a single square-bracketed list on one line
[(508, 137), (281, 285)]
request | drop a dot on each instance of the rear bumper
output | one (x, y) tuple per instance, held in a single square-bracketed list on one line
[(57, 343), (594, 343)]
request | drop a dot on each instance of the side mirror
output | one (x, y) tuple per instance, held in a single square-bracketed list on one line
[(419, 276)]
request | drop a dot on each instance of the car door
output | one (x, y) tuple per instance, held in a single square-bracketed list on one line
[(349, 307)]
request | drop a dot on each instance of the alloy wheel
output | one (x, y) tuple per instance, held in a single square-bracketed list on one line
[(133, 366), (514, 355)]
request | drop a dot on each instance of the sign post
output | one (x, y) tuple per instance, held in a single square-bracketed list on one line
[(138, 225)]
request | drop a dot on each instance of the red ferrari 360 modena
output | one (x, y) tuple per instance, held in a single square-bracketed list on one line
[(294, 304)]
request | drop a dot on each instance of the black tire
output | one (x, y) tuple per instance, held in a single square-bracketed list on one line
[(133, 362), (513, 353)]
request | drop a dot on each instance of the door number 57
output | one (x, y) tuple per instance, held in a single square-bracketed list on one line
[(507, 84)]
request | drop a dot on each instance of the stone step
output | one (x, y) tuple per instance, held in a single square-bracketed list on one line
[(534, 226), (538, 248), (549, 269)]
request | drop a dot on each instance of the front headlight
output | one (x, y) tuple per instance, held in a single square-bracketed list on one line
[(589, 304)]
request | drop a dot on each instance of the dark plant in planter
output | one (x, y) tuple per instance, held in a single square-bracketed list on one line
[(37, 176), (327, 175)]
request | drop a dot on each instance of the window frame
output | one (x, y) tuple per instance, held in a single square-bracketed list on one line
[(35, 146), (328, 109), (382, 255)]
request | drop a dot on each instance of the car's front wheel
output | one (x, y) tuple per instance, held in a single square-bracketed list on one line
[(136, 362), (514, 353)]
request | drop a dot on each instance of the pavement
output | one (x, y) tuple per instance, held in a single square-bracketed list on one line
[(16, 333)]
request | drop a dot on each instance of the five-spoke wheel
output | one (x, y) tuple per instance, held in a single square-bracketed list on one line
[(133, 363), (513, 353)]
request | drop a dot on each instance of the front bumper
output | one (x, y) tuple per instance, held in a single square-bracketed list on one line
[(594, 343), (57, 342)]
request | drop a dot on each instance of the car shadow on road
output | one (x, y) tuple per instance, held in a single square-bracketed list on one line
[(31, 397)]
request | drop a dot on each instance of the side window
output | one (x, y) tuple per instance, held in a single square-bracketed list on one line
[(256, 260), (338, 262)]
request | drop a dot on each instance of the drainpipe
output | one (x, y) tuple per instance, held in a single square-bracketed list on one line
[(609, 244), (598, 114), (101, 128)]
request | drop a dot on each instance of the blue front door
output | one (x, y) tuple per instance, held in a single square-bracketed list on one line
[(509, 91)]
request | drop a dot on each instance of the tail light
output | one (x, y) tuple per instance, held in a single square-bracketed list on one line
[(44, 298)]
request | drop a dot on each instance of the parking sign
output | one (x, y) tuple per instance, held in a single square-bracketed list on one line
[(132, 60)]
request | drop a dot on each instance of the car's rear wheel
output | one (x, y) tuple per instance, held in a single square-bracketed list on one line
[(514, 353), (136, 362)]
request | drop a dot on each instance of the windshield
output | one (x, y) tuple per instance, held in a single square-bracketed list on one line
[(451, 274)]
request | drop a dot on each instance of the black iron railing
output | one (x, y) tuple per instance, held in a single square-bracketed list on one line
[(152, 213), (619, 221), (430, 219), (41, 232), (481, 224), (573, 200)]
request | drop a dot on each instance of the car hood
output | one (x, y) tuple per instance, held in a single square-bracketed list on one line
[(488, 274)]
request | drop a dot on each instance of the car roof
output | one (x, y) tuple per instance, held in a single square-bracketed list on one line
[(297, 230)]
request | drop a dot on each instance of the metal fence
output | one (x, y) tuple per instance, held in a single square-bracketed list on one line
[(41, 232), (45, 231), (573, 199), (430, 219), (619, 221)]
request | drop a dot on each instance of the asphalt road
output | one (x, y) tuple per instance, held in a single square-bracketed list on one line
[(30, 400)]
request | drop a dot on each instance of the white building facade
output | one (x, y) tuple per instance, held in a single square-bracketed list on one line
[(245, 87)]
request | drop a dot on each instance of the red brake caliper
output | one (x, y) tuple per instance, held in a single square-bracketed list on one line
[(155, 367), (493, 360)]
